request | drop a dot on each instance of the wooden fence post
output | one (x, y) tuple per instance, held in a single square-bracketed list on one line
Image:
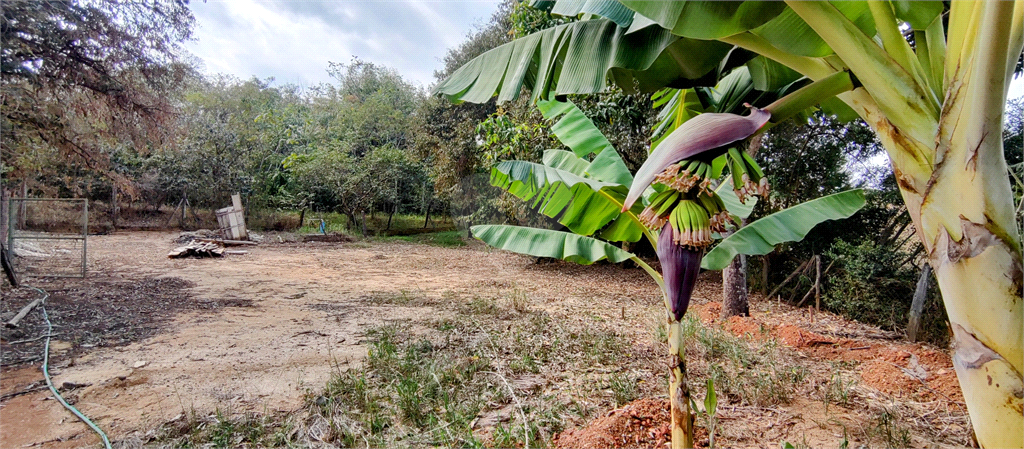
[(5, 218), (817, 283), (917, 306), (113, 205), (22, 206)]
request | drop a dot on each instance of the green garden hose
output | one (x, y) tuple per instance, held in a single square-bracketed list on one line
[(46, 373)]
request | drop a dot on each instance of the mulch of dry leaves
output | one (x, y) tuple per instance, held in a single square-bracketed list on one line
[(100, 312)]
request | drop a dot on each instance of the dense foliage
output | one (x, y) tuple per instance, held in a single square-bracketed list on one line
[(81, 78)]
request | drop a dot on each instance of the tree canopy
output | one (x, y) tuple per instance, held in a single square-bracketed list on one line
[(80, 76)]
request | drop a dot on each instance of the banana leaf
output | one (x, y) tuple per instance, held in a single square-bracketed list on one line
[(918, 13), (789, 225), (608, 9), (585, 206), (789, 33), (548, 243), (677, 106), (707, 19), (580, 57), (573, 128), (566, 160), (768, 75), (578, 132), (732, 202)]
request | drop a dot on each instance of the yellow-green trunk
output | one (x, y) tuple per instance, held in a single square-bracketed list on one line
[(944, 142), (961, 204)]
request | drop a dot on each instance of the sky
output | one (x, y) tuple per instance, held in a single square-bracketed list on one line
[(293, 40)]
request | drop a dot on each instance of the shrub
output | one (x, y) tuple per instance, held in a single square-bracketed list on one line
[(875, 284)]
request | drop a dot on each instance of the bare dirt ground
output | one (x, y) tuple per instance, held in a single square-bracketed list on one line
[(145, 339), (269, 325)]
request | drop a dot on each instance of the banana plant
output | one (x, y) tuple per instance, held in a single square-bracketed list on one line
[(587, 190), (935, 102)]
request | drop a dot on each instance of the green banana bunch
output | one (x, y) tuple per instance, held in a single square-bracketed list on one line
[(693, 216), (692, 224), (716, 209), (747, 177), (655, 214), (691, 207)]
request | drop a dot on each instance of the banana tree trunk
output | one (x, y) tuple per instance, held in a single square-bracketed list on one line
[(963, 214), (734, 289), (735, 298), (980, 277), (947, 156)]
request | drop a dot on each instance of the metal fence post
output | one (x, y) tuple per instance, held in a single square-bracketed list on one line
[(85, 232), (10, 224)]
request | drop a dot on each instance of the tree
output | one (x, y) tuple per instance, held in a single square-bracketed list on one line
[(823, 156), (376, 106), (1013, 148), (936, 105), (233, 136), (80, 76), (394, 178), (447, 135)]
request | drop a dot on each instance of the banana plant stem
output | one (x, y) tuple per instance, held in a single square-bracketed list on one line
[(679, 391), (810, 95)]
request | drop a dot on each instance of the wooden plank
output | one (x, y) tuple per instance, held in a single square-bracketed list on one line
[(24, 311), (237, 218), (227, 242)]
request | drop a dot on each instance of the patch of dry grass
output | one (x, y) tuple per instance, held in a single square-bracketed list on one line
[(505, 372), (501, 374)]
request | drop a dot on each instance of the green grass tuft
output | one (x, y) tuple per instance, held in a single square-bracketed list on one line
[(446, 239)]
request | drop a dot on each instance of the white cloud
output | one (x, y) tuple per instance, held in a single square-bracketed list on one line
[(293, 40)]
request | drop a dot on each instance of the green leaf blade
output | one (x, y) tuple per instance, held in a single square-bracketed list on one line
[(565, 160), (707, 19), (576, 131), (582, 204), (579, 58), (789, 225), (608, 9), (548, 243)]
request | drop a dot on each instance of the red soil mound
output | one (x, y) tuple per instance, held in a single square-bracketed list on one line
[(897, 369), (707, 313), (888, 378), (746, 327), (643, 423), (799, 338)]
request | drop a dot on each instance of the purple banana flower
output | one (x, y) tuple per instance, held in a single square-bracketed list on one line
[(679, 266), (699, 134)]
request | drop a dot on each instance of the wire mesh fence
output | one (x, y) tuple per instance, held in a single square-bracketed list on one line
[(865, 284), (48, 237)]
